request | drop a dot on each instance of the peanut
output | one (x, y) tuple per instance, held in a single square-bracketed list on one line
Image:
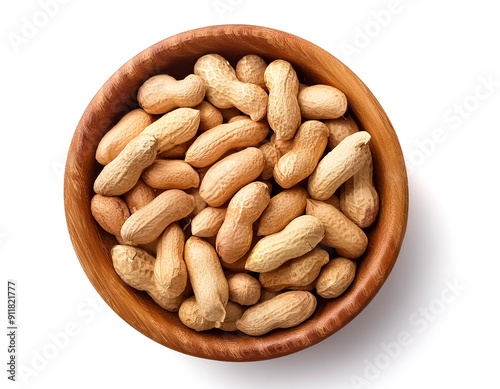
[(178, 151), (171, 174), (236, 118), (199, 203), (299, 237), (282, 209), (109, 212), (339, 165), (174, 128), (283, 311), (229, 113), (224, 90), (170, 272), (322, 102), (170, 304), (341, 233), (298, 272), (235, 235), (267, 295), (123, 172), (209, 116), (335, 277), (212, 144), (208, 222), (233, 314), (149, 222), (340, 128), (207, 278), (230, 174), (139, 196), (115, 140), (358, 198), (163, 93), (192, 317), (283, 111), (308, 146), (284, 146), (251, 69), (244, 289), (134, 266), (333, 200), (271, 156)]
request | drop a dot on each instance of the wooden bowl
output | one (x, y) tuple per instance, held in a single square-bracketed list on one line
[(176, 55)]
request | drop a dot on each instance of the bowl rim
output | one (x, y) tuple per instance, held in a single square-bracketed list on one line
[(227, 346)]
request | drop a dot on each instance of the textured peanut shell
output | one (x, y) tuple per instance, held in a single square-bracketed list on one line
[(149, 222), (115, 140), (339, 165), (359, 199), (251, 69), (298, 272), (139, 196), (191, 316), (283, 111), (283, 311), (123, 172), (170, 273), (309, 144), (244, 289), (230, 174), (170, 304), (209, 116), (233, 314), (340, 128), (335, 277), (109, 212), (212, 144), (224, 90), (134, 266), (178, 151), (271, 156), (163, 93), (236, 118), (207, 278), (174, 128), (267, 295), (341, 233), (199, 203), (229, 113), (208, 222), (234, 237), (322, 102), (284, 146), (299, 237), (333, 200), (282, 209), (171, 174)]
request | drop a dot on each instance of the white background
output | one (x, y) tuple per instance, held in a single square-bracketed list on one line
[(424, 63)]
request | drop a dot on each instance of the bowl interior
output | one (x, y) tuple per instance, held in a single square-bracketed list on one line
[(176, 56)]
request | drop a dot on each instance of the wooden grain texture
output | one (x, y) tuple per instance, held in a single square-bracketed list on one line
[(176, 55)]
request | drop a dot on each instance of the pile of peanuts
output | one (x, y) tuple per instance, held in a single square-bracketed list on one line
[(238, 196)]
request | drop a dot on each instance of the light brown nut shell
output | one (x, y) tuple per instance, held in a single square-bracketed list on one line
[(230, 174), (139, 196), (298, 272), (335, 277), (109, 212), (300, 236), (171, 174), (207, 278), (115, 140), (123, 172), (208, 222), (209, 116), (148, 223), (282, 209), (283, 311), (322, 102), (339, 129), (244, 289), (339, 165), (341, 233), (251, 69)]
